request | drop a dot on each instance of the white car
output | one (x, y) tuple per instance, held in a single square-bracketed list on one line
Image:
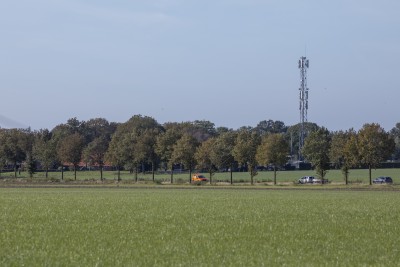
[(309, 180)]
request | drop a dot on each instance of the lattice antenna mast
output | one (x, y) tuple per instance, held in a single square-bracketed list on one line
[(303, 92)]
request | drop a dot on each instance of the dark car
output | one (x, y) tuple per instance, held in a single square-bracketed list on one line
[(383, 180)]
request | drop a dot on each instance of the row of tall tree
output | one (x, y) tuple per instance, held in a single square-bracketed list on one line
[(370, 146), (142, 142)]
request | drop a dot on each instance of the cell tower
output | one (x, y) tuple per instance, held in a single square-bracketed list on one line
[(303, 90)]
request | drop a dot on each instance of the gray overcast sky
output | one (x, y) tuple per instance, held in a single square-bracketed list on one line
[(231, 62)]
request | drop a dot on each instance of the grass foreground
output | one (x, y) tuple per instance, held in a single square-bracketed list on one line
[(172, 227)]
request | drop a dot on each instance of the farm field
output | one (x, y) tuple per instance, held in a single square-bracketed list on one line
[(286, 177), (154, 227)]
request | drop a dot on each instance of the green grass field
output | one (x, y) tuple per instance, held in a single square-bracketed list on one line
[(335, 176), (166, 227)]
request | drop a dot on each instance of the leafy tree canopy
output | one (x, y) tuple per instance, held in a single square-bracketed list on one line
[(316, 150)]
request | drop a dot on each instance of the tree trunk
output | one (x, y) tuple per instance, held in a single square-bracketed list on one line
[(62, 172), (274, 175), (172, 175), (136, 174), (15, 170), (75, 172), (231, 173), (190, 174), (119, 174), (370, 176), (252, 173), (101, 172), (346, 175), (152, 171), (210, 173), (47, 172)]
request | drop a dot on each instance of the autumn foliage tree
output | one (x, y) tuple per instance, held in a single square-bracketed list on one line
[(95, 152), (222, 151), (245, 150), (343, 153), (273, 150), (374, 146), (145, 148), (204, 159), (45, 149), (13, 146), (70, 150), (184, 152), (165, 145), (117, 154), (316, 150), (133, 143)]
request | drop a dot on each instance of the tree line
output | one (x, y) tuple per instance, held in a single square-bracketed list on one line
[(143, 143)]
